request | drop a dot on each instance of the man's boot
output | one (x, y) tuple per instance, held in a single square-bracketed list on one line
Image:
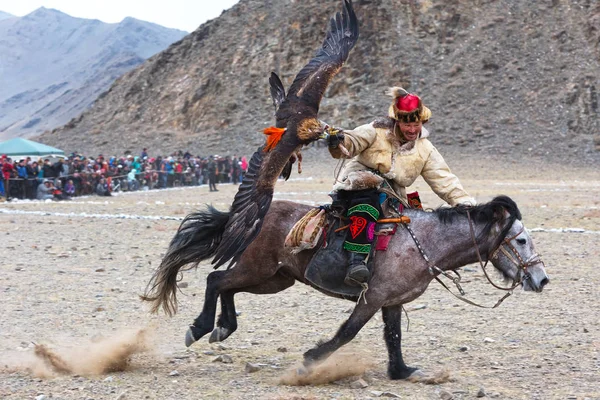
[(357, 272)]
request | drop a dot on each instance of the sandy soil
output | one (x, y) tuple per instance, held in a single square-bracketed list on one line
[(71, 274)]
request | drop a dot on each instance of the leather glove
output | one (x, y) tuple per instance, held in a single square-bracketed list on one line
[(333, 136)]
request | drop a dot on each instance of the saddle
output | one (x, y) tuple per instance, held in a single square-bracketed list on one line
[(327, 268)]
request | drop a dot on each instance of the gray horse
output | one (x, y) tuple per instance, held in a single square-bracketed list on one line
[(450, 238)]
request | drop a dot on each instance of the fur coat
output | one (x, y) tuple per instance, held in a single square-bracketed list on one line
[(375, 146)]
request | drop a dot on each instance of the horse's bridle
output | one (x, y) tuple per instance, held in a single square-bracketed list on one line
[(505, 246), (511, 253)]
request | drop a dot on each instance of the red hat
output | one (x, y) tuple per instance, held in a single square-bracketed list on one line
[(407, 107), (408, 103)]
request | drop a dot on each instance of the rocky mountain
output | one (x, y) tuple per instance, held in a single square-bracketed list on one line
[(53, 66), (4, 15), (504, 78)]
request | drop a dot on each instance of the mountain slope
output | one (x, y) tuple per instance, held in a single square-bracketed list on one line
[(503, 78), (4, 15), (52, 66)]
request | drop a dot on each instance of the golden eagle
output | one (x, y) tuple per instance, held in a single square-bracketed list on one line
[(296, 125)]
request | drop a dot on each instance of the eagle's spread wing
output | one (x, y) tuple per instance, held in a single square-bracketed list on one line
[(246, 215), (310, 83), (254, 196)]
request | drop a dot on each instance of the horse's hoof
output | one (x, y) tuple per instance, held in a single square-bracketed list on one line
[(189, 338), (408, 373), (218, 335), (417, 374)]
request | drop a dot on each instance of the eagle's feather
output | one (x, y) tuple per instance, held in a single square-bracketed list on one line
[(296, 113)]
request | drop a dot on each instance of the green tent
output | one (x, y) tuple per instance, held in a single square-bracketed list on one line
[(23, 148)]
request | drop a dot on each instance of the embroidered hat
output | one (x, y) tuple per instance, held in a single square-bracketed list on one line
[(407, 107)]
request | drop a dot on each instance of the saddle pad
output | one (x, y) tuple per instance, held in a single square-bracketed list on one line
[(327, 269)]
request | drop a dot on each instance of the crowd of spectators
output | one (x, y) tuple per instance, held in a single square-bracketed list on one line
[(77, 175)]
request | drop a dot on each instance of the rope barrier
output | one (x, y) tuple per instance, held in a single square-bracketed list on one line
[(104, 175)]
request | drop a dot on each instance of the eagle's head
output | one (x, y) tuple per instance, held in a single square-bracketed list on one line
[(309, 130)]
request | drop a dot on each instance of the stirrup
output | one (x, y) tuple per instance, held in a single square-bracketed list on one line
[(357, 275)]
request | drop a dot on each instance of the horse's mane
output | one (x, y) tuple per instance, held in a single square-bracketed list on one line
[(488, 213)]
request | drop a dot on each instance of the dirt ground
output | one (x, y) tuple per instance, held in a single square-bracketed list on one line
[(71, 273)]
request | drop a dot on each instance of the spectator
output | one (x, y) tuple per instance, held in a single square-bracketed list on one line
[(236, 171), (244, 167), (224, 167), (204, 166), (40, 172), (2, 160), (136, 164), (62, 169), (32, 183), (132, 181), (70, 188), (162, 174), (7, 173), (212, 174), (44, 191), (7, 168), (58, 168), (102, 188), (189, 177), (48, 171), (170, 169), (21, 183), (58, 192), (156, 163), (87, 184), (178, 167)]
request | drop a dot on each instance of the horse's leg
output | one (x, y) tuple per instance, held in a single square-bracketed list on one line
[(392, 333), (360, 316), (205, 322), (227, 322), (243, 276)]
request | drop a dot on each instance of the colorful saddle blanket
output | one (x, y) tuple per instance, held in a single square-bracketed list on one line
[(327, 268)]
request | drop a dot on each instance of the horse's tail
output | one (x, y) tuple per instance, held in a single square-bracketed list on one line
[(196, 240)]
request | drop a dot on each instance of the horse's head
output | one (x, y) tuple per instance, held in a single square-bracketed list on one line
[(516, 258), (504, 240)]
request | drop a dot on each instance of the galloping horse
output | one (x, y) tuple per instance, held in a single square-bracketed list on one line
[(450, 237)]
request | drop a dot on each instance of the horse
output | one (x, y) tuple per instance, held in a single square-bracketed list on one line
[(449, 239)]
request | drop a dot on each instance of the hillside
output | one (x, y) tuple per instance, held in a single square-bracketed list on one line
[(503, 78), (53, 66), (4, 15)]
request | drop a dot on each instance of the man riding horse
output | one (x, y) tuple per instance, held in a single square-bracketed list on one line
[(394, 150)]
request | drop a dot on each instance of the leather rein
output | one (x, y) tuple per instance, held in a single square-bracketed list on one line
[(505, 246)]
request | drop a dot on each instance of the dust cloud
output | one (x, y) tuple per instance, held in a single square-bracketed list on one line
[(98, 357), (432, 378), (335, 367)]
